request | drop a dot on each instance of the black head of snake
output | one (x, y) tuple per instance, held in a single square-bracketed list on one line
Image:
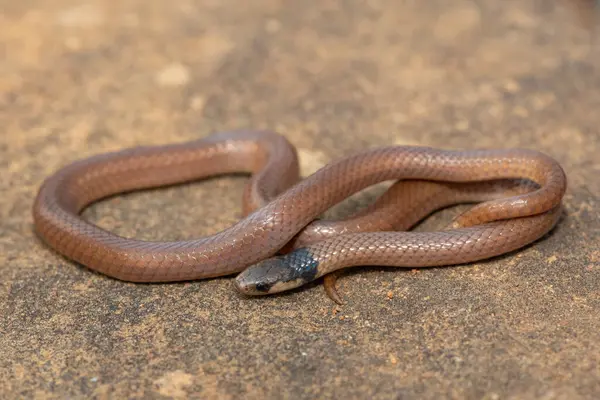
[(279, 273)]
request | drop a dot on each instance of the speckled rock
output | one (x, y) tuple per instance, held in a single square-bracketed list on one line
[(80, 78)]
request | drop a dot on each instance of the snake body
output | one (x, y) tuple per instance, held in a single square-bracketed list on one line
[(281, 210)]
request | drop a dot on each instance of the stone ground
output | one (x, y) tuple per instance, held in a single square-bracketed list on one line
[(80, 78)]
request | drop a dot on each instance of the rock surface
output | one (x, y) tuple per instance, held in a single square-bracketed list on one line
[(78, 79)]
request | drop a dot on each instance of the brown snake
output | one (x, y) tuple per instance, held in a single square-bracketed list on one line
[(280, 243)]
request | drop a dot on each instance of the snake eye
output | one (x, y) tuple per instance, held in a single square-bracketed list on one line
[(262, 287)]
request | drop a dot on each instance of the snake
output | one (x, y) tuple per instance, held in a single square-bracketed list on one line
[(282, 241)]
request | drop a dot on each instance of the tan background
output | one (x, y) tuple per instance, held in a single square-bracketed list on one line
[(78, 78)]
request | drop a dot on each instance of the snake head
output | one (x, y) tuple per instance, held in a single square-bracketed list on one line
[(278, 274)]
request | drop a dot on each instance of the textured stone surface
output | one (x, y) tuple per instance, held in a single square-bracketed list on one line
[(78, 78)]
